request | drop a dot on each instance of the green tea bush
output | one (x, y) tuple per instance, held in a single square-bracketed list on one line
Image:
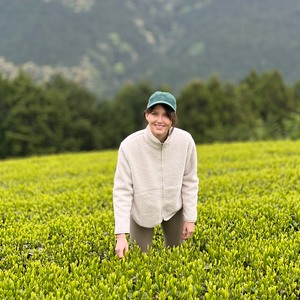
[(57, 229)]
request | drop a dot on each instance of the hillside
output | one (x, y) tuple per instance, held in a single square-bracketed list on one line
[(57, 229), (104, 43)]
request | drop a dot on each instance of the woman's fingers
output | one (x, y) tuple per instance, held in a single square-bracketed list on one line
[(121, 247), (188, 229)]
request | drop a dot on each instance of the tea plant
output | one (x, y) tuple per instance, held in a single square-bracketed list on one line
[(57, 229)]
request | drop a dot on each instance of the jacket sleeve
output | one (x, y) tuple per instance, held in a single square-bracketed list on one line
[(122, 194), (190, 185)]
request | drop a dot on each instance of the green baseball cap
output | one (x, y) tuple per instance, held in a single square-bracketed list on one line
[(162, 97)]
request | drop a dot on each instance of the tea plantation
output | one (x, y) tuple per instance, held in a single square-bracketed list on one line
[(57, 229)]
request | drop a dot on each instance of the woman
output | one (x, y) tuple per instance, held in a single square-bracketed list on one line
[(156, 180)]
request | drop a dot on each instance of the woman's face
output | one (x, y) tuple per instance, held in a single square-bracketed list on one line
[(159, 122)]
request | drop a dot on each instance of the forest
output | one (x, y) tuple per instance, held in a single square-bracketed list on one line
[(105, 43), (62, 116)]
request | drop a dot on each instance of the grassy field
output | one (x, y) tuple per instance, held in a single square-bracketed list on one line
[(57, 224)]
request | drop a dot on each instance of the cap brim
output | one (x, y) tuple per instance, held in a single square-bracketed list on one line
[(161, 102)]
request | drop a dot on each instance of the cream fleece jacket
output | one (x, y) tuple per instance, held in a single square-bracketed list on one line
[(153, 180)]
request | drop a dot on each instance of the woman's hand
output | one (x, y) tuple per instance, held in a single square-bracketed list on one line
[(122, 245), (188, 229)]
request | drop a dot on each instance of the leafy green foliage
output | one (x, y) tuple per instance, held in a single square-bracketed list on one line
[(57, 229), (63, 116), (212, 112), (28, 125), (37, 119)]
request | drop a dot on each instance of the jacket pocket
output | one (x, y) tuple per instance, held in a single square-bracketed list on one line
[(172, 202), (146, 208)]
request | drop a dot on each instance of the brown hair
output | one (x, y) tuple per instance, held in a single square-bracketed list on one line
[(169, 111)]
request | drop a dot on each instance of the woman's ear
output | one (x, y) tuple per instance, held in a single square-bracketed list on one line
[(146, 116)]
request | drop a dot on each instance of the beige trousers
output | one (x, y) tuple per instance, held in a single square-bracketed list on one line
[(172, 230)]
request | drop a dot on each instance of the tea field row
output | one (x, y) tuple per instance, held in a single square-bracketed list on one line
[(57, 229)]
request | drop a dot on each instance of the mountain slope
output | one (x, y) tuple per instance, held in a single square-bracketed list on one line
[(104, 43)]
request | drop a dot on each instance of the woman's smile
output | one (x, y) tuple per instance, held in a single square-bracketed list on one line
[(159, 122), (159, 126)]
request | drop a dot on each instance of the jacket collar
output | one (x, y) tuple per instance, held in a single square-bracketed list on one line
[(153, 141)]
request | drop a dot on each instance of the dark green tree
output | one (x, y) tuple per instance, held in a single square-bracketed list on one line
[(79, 109), (5, 91), (269, 101), (194, 110), (124, 115), (291, 123), (211, 112), (104, 127), (26, 125), (296, 94)]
